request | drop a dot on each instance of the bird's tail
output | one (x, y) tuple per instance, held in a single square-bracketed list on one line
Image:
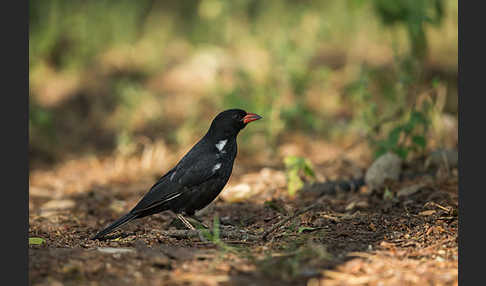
[(121, 221)]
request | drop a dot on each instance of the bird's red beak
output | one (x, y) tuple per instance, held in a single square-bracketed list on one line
[(249, 117)]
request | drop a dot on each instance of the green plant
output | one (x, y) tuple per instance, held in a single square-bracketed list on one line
[(406, 137), (36, 240), (296, 169), (381, 99), (214, 235)]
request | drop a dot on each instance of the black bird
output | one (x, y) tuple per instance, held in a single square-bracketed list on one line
[(199, 176)]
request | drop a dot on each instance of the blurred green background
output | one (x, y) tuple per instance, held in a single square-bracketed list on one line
[(107, 75)]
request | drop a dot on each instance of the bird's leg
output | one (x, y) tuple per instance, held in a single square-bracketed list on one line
[(196, 221), (186, 222)]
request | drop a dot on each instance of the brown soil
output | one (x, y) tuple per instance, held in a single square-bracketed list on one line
[(352, 238)]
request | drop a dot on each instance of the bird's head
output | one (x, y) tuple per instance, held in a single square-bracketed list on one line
[(229, 122)]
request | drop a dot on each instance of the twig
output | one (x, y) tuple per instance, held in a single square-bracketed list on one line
[(288, 218), (439, 206), (229, 234), (226, 241)]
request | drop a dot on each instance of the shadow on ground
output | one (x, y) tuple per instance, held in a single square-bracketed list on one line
[(321, 239)]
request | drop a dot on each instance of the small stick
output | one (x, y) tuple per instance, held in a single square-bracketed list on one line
[(288, 218), (230, 234)]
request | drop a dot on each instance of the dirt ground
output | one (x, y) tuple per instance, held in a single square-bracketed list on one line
[(395, 236)]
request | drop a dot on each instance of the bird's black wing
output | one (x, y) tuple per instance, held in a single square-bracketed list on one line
[(195, 168), (161, 192), (195, 172)]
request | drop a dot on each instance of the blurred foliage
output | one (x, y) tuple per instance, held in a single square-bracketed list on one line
[(72, 33), (125, 69), (407, 136), (297, 169), (414, 15)]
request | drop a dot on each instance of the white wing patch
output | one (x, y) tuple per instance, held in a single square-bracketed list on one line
[(173, 197), (220, 144), (216, 167), (161, 202)]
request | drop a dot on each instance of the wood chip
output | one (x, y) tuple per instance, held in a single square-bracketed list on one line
[(427, 212), (372, 226)]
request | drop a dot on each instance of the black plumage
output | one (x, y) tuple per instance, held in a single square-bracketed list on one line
[(199, 176)]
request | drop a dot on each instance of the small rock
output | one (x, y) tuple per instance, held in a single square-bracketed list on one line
[(388, 166), (442, 157)]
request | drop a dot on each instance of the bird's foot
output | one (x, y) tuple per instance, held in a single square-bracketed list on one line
[(199, 224), (186, 222)]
